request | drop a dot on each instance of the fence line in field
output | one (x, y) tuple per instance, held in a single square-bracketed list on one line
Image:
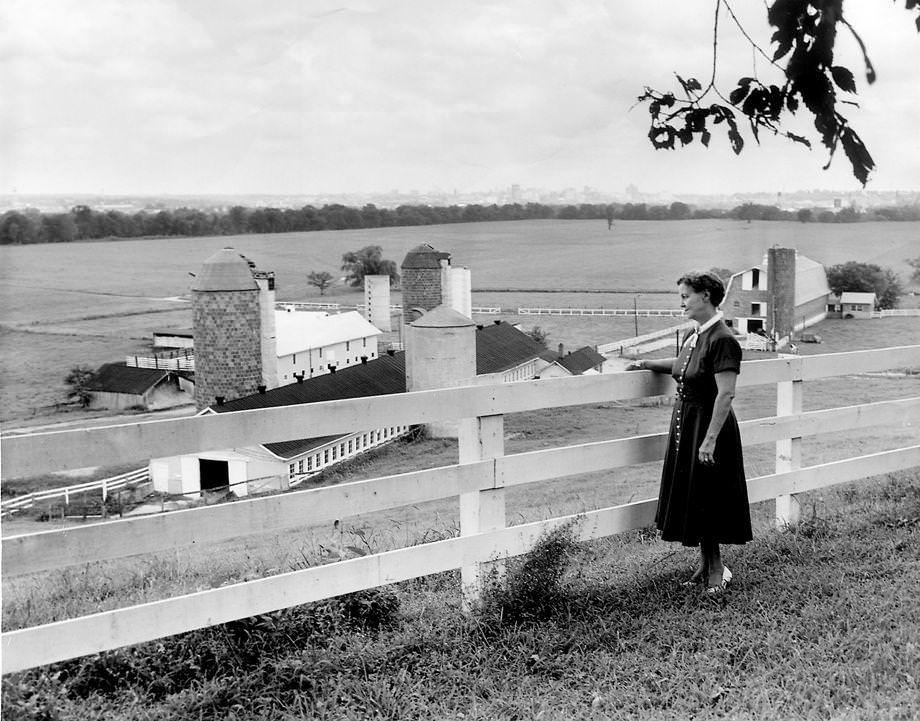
[(105, 485), (479, 481), (895, 313)]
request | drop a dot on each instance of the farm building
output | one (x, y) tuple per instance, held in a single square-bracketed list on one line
[(503, 354), (170, 338), (120, 387), (584, 361), (308, 343), (851, 304), (785, 293)]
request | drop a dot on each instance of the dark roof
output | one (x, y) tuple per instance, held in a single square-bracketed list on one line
[(424, 256), (182, 332), (581, 360), (498, 347), (119, 378), (501, 346)]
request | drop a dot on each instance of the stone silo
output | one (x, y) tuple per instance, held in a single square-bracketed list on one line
[(440, 353), (377, 301), (781, 285), (227, 329), (421, 283)]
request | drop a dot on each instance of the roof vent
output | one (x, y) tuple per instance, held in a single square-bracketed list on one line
[(299, 377), (391, 352), (364, 360), (497, 321), (331, 368), (261, 389), (478, 327), (219, 400)]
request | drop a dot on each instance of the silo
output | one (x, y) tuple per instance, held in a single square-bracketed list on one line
[(265, 279), (781, 285), (456, 289), (377, 301), (421, 281), (440, 353), (227, 329)]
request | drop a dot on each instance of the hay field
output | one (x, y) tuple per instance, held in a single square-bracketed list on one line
[(67, 304)]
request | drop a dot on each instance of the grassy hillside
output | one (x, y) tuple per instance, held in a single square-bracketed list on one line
[(820, 622)]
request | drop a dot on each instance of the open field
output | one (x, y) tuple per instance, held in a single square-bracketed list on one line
[(66, 304)]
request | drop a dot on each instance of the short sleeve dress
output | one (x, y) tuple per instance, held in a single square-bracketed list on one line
[(698, 500)]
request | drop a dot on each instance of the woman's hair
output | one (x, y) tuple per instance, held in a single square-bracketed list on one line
[(705, 280)]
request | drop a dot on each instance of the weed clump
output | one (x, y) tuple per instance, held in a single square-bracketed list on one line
[(533, 588)]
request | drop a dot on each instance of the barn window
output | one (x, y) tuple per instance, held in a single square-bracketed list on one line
[(300, 466), (326, 456), (310, 463), (291, 470)]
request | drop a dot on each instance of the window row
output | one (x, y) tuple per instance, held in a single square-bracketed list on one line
[(334, 453)]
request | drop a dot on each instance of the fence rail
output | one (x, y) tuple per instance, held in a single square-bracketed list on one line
[(479, 481), (627, 312), (105, 485), (895, 313)]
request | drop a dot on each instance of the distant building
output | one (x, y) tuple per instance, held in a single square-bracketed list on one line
[(850, 304), (785, 293), (171, 338), (119, 387)]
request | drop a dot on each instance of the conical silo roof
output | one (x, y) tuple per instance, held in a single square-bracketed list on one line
[(442, 317), (225, 270), (424, 256)]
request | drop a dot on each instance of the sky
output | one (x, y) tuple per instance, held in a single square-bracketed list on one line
[(310, 96)]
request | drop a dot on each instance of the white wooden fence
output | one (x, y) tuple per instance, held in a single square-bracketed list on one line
[(895, 313), (479, 481), (104, 485), (629, 312)]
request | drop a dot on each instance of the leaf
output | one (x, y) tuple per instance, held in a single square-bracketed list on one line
[(738, 94), (705, 137), (782, 50), (799, 139), (734, 137), (844, 78)]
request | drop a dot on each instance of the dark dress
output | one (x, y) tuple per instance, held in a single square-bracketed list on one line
[(697, 499)]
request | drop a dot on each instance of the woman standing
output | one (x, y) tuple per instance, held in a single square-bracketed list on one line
[(703, 498)]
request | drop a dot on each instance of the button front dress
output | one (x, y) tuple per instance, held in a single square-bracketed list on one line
[(698, 500)]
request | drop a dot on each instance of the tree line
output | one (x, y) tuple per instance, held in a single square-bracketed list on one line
[(19, 227)]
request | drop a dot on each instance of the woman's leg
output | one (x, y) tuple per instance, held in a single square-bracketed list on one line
[(713, 561)]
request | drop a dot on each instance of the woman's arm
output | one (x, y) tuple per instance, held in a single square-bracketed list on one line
[(659, 365), (725, 387)]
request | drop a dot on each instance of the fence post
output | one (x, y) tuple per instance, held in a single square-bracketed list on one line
[(789, 450), (480, 439)]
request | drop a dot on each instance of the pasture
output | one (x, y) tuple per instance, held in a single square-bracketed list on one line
[(67, 304)]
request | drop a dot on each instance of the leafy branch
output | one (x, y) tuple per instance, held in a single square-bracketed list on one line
[(805, 32)]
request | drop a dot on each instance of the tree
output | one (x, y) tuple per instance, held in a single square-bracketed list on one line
[(866, 278), (915, 264), (805, 32), (368, 261), (321, 279), (804, 215), (539, 335), (723, 273), (79, 380)]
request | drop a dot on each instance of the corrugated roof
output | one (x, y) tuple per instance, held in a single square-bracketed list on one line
[(296, 331), (118, 378), (225, 270), (581, 360), (501, 346), (424, 256)]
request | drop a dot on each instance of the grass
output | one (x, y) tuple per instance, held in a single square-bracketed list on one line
[(820, 622)]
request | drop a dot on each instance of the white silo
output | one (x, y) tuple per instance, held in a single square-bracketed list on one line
[(440, 353), (269, 342), (377, 301), (456, 289)]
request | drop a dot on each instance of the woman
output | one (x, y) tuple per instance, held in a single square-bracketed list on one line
[(703, 498)]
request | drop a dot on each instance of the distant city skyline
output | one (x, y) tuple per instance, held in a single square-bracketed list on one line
[(213, 97)]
